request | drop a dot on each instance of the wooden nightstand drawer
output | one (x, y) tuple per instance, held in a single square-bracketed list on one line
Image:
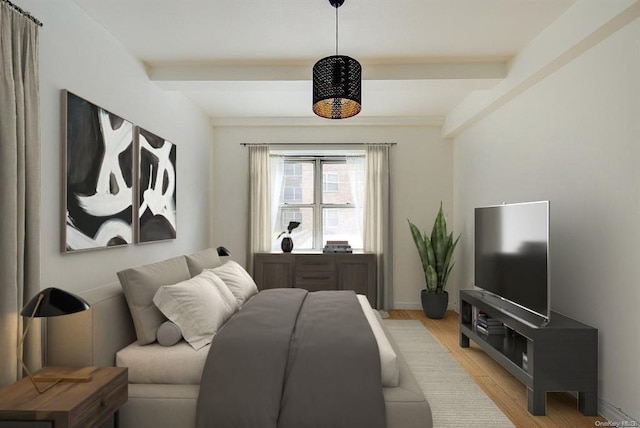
[(67, 404), (104, 403)]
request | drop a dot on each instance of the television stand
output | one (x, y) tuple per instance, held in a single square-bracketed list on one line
[(560, 356)]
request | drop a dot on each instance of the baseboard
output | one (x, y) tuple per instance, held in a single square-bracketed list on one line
[(409, 306), (615, 414), (415, 306)]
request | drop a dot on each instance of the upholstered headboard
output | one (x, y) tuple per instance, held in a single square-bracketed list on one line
[(91, 337)]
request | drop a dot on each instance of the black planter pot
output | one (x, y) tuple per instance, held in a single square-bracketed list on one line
[(434, 305), (286, 244)]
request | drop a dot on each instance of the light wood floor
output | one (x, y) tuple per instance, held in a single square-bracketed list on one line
[(505, 390)]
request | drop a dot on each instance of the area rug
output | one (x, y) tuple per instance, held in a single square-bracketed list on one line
[(455, 399)]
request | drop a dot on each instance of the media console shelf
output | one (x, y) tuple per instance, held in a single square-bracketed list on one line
[(561, 356)]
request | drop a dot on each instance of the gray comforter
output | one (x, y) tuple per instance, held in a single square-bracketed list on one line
[(293, 359)]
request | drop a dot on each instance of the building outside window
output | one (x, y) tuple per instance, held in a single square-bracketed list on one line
[(330, 182), (289, 215), (292, 194)]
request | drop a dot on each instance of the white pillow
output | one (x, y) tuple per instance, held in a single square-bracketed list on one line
[(199, 306), (237, 279)]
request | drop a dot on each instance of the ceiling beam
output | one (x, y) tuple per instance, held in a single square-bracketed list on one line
[(208, 72), (429, 121)]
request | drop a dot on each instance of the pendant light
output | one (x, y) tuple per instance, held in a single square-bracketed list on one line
[(337, 82)]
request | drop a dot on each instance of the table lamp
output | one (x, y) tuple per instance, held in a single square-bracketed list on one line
[(222, 251), (50, 302)]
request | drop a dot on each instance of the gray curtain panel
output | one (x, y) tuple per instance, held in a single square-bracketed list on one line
[(19, 188)]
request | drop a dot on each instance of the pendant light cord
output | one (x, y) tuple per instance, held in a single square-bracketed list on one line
[(336, 30)]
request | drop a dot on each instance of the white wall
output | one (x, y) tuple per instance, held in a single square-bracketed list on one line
[(78, 55), (422, 176), (573, 139)]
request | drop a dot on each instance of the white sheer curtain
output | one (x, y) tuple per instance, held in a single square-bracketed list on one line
[(259, 202), (377, 219), (19, 189), (277, 175), (356, 176)]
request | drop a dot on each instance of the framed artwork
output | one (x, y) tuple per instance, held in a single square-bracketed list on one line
[(98, 159), (156, 201)]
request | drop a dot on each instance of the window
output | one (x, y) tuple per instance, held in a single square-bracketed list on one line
[(323, 193)]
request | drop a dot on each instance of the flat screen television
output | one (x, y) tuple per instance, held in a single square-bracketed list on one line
[(512, 254)]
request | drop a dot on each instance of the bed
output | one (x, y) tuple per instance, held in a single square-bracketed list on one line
[(165, 382)]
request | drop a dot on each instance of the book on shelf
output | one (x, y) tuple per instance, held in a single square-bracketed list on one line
[(490, 331), (490, 321), (489, 326), (481, 329), (337, 247)]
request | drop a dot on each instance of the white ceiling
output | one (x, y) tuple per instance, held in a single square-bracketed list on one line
[(244, 59)]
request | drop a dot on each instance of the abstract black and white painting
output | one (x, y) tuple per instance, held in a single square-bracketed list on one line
[(98, 176), (157, 188)]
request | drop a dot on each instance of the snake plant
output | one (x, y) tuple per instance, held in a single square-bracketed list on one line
[(435, 252)]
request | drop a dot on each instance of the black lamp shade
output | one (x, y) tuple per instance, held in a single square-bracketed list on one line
[(54, 302), (337, 82)]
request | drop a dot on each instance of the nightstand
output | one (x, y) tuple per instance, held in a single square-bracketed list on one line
[(67, 404)]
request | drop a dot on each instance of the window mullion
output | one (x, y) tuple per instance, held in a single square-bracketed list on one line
[(317, 195)]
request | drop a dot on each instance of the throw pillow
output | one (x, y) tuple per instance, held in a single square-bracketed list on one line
[(237, 279), (198, 306), (204, 259), (140, 284)]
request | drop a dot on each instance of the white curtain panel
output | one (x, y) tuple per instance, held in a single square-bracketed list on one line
[(377, 221), (277, 176), (356, 176), (19, 189), (259, 202)]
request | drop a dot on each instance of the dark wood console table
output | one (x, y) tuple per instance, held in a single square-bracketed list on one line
[(317, 271), (561, 356)]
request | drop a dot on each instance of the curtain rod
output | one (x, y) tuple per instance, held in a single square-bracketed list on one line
[(22, 11), (318, 144)]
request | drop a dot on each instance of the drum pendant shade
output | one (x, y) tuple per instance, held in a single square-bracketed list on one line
[(337, 83)]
